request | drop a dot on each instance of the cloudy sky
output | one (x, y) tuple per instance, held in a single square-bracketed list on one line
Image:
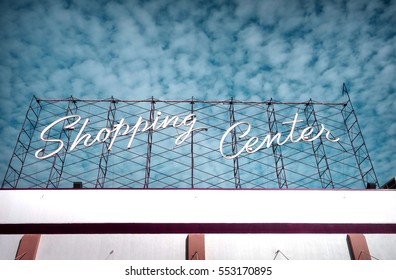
[(250, 50)]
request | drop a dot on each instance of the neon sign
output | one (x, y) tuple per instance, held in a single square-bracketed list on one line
[(251, 145)]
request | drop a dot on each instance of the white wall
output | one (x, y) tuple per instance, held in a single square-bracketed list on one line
[(112, 247), (197, 206), (265, 246), (9, 246), (217, 246), (382, 246)]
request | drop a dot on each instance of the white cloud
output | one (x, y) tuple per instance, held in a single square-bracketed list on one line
[(178, 49)]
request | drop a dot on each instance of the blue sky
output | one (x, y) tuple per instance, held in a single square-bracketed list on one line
[(251, 50)]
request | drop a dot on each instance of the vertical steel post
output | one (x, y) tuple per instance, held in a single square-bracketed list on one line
[(276, 149), (318, 148), (192, 147), (355, 135), (149, 146), (104, 156), (17, 161), (234, 145), (59, 158)]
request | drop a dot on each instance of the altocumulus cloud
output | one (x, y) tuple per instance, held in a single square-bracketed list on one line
[(252, 50)]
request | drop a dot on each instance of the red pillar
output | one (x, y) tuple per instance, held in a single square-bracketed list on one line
[(358, 247), (28, 247), (196, 247)]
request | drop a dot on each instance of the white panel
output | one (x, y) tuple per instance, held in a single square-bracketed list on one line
[(197, 206), (112, 247), (266, 246), (9, 246), (382, 246)]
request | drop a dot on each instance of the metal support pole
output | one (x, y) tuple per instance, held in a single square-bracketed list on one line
[(318, 148), (17, 161), (192, 147), (276, 149), (355, 135), (234, 146), (104, 156), (149, 146), (59, 158)]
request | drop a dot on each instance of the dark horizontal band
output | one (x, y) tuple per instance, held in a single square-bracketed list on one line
[(162, 228)]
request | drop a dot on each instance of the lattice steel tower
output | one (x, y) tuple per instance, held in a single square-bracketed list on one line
[(150, 157)]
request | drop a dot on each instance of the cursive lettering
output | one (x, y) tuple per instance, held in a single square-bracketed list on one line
[(120, 129), (251, 145)]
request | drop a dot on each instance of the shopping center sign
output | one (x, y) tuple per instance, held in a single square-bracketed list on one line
[(251, 143)]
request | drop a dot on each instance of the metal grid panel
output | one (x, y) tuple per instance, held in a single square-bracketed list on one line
[(154, 160)]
